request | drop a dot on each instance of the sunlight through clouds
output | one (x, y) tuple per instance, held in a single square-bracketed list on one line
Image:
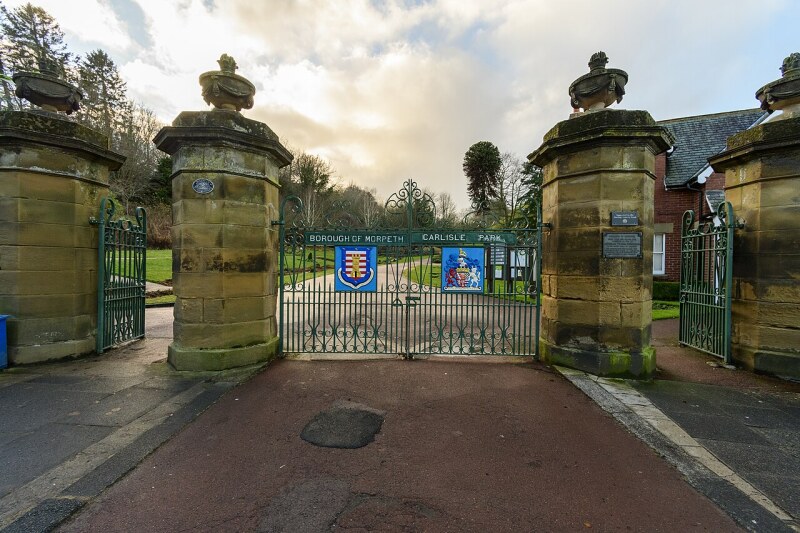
[(392, 89)]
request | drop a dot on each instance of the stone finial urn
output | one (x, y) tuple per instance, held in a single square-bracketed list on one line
[(600, 88), (46, 90), (784, 93), (224, 89)]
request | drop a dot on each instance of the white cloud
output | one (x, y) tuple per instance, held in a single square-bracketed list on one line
[(396, 89), (93, 22)]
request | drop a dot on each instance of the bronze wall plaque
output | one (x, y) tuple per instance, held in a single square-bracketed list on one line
[(624, 218), (625, 245)]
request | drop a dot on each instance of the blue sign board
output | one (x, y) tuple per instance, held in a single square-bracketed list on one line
[(462, 269), (356, 268)]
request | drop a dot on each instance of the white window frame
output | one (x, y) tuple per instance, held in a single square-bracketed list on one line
[(662, 250)]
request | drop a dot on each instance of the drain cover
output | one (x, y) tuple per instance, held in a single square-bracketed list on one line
[(343, 425)]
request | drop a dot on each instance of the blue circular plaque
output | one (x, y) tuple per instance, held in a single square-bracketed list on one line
[(203, 186)]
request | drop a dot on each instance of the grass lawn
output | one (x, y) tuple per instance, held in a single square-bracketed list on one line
[(159, 270), (432, 275), (663, 310), (160, 300), (159, 265)]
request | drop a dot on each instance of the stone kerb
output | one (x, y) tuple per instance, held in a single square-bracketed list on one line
[(762, 180), (53, 174), (596, 310), (225, 249)]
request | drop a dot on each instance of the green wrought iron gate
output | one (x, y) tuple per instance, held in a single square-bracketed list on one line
[(705, 287), (122, 248), (395, 281)]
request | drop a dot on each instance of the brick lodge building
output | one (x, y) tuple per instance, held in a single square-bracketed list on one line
[(685, 180)]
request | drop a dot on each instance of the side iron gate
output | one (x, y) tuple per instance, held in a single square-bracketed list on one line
[(705, 288), (122, 248), (397, 280)]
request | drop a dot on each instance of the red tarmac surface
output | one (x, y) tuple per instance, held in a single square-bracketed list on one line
[(678, 363), (464, 447)]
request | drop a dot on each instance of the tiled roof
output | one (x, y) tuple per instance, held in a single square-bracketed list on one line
[(698, 138)]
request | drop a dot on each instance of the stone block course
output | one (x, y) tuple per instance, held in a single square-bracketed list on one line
[(762, 178), (54, 174), (224, 246), (211, 335), (596, 311)]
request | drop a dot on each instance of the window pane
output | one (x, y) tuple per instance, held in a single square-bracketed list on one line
[(658, 253)]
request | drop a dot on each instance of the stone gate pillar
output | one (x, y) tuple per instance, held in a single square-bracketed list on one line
[(224, 246), (53, 174), (597, 196), (762, 182)]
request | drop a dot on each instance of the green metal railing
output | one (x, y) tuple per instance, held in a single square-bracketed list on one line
[(121, 253), (705, 287), (407, 312)]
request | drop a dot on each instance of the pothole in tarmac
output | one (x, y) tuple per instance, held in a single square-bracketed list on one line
[(344, 425)]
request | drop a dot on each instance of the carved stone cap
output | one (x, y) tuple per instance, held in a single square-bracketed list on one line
[(46, 90), (224, 89), (600, 88), (221, 128), (605, 127), (783, 93)]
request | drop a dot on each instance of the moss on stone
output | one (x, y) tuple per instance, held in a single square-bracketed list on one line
[(777, 131)]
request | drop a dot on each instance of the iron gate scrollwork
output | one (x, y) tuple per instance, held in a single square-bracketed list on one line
[(122, 250), (405, 311), (705, 286)]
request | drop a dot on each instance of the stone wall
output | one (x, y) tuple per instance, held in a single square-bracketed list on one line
[(762, 182), (53, 174), (225, 247)]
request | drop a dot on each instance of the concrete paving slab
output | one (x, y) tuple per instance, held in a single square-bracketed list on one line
[(87, 383), (36, 404), (753, 458), (787, 438), (119, 408), (34, 453), (785, 490), (703, 426)]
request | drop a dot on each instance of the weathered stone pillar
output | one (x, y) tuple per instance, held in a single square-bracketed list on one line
[(53, 174), (225, 248), (597, 271), (762, 183)]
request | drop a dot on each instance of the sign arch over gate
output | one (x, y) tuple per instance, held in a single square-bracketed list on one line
[(402, 283)]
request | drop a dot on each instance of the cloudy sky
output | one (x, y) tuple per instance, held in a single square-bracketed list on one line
[(388, 90)]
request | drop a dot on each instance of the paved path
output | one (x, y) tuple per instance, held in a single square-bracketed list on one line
[(71, 429), (464, 447), (735, 435)]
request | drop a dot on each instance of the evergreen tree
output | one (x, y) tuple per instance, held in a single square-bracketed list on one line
[(104, 93), (532, 186), (482, 164), (30, 41), (160, 190)]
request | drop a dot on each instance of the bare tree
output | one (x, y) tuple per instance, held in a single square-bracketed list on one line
[(309, 177), (362, 204), (510, 186), (134, 141), (446, 210)]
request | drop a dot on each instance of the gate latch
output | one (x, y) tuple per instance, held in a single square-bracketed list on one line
[(411, 301)]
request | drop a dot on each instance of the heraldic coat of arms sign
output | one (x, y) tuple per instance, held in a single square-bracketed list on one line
[(355, 268), (462, 269)]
